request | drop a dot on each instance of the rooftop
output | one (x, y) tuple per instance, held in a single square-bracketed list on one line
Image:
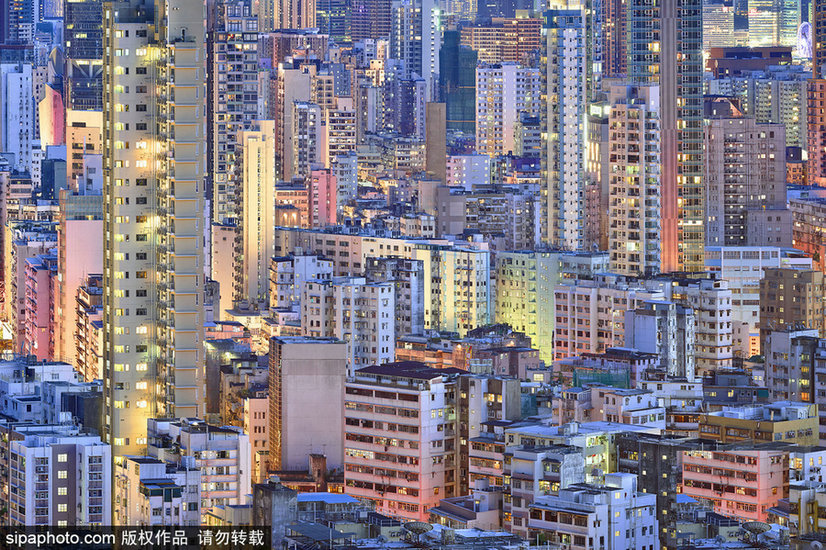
[(408, 369)]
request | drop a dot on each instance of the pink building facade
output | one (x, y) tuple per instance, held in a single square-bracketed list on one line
[(322, 195), (38, 320), (80, 253), (396, 453), (742, 484)]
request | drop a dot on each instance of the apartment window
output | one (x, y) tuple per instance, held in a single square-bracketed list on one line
[(63, 457), (140, 181), (62, 507), (140, 311), (62, 474), (62, 491), (140, 107)]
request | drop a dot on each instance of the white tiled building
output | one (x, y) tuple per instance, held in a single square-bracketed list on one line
[(221, 453), (358, 312), (613, 516), (153, 492), (743, 267), (502, 92), (60, 477)]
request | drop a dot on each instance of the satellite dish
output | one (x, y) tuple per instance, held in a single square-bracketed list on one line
[(418, 527), (756, 527)]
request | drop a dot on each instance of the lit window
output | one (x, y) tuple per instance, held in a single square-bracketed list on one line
[(62, 474), (63, 457)]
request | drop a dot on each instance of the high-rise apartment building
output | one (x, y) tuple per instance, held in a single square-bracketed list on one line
[(816, 112), (415, 39), (38, 317), (711, 301), (503, 92), (156, 494), (809, 229), (332, 18), (17, 113), (79, 253), (83, 37), (344, 168), (370, 19), (617, 513), (154, 171), (293, 85), (289, 274), (399, 442), (193, 443), (590, 314), (665, 43), (355, 311), (791, 298), (634, 180), (297, 14), (88, 329), (340, 136), (743, 267), (321, 197), (60, 477), (26, 240), (794, 359), (774, 94), (525, 283), (614, 40), (504, 39), (745, 172), (232, 82), (666, 329), (255, 176), (758, 477), (564, 81), (306, 136)]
